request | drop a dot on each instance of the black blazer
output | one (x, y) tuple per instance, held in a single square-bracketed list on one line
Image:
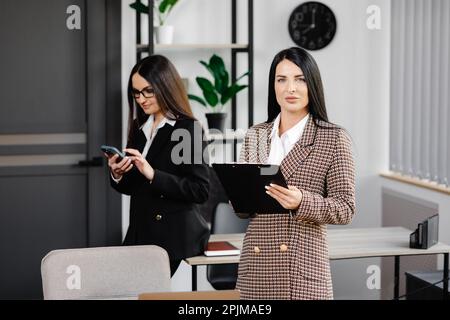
[(165, 212)]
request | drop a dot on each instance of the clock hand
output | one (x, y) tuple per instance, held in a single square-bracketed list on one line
[(307, 29), (314, 19)]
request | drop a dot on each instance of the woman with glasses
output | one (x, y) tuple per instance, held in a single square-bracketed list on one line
[(164, 171), (285, 256)]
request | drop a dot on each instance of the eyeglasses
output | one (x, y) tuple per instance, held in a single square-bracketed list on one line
[(147, 92)]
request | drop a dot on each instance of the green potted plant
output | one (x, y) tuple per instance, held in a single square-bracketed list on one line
[(217, 94), (162, 9)]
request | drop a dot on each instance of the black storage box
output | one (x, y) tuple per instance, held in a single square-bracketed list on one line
[(420, 279)]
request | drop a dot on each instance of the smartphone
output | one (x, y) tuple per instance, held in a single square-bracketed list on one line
[(112, 151)]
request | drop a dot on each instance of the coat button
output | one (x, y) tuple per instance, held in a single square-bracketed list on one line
[(256, 250), (158, 217), (283, 248)]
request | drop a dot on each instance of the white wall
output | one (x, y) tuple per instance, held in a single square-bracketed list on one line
[(355, 72)]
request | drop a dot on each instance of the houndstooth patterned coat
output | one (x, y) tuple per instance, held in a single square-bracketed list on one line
[(286, 257)]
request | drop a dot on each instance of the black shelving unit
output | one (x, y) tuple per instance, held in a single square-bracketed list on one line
[(248, 49)]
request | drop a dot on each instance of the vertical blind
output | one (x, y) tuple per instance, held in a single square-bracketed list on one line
[(420, 86)]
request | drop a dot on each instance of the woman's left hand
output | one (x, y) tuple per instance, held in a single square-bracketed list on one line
[(141, 163), (288, 198)]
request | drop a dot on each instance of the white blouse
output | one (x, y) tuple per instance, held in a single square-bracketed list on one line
[(147, 130), (281, 146)]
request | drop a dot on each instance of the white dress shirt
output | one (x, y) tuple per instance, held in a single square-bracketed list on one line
[(281, 146), (149, 134)]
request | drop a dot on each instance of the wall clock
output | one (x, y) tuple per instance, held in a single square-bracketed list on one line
[(312, 25)]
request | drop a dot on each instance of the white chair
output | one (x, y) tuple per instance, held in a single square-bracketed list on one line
[(105, 273)]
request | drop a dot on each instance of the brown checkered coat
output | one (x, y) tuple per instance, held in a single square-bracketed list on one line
[(321, 166)]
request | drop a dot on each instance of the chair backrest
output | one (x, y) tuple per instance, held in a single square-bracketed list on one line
[(193, 295), (105, 273), (224, 220)]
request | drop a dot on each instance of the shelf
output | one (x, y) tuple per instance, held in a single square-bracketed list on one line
[(194, 46), (235, 48)]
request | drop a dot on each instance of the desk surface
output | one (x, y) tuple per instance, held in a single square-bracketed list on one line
[(343, 244)]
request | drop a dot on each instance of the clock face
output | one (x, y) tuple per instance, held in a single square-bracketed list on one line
[(312, 25)]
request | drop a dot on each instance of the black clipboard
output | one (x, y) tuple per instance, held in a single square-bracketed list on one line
[(245, 184)]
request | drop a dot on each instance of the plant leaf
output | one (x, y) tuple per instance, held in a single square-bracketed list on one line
[(205, 84), (230, 92), (139, 7), (167, 5), (217, 63), (224, 82), (221, 77), (208, 91), (172, 4), (211, 98), (163, 6), (197, 98), (245, 74), (207, 67)]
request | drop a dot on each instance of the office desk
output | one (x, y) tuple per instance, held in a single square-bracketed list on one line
[(347, 244)]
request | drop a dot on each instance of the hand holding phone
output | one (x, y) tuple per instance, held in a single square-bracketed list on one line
[(118, 166), (111, 151)]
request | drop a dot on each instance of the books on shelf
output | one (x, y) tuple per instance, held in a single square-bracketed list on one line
[(221, 248)]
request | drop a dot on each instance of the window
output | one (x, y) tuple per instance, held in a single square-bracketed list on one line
[(420, 100)]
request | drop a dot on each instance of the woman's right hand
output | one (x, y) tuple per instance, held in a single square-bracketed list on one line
[(118, 169)]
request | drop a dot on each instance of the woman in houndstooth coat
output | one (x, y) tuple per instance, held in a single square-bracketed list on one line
[(285, 256)]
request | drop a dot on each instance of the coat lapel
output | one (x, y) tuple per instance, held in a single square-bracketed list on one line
[(161, 138), (140, 141), (264, 149), (300, 151)]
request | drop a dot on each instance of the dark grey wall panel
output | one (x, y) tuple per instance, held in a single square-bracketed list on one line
[(113, 109), (33, 171), (53, 216), (42, 63), (42, 149), (52, 80), (96, 45)]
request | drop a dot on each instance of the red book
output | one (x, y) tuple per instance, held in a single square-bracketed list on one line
[(221, 248)]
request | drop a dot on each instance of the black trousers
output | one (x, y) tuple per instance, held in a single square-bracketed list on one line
[(174, 264)]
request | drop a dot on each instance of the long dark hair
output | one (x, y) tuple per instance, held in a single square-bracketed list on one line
[(308, 65), (169, 90)]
